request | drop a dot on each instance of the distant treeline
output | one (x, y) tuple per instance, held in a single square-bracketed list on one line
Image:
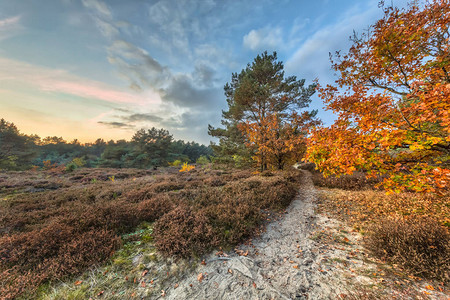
[(146, 149)]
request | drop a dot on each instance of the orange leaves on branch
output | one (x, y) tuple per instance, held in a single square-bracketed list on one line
[(392, 99), (277, 141)]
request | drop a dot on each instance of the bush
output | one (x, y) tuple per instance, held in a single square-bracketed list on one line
[(176, 163), (420, 245), (71, 167), (356, 181), (151, 210), (183, 233), (32, 258), (202, 160)]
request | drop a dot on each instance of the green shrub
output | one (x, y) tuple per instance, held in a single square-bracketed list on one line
[(203, 160), (241, 161), (71, 167), (176, 163), (79, 162)]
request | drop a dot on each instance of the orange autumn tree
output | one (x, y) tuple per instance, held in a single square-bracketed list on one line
[(280, 140), (392, 99), (263, 105)]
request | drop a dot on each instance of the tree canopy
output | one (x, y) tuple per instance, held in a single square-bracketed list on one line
[(16, 149), (392, 102), (263, 113), (147, 148)]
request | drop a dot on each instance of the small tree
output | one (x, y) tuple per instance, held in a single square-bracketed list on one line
[(392, 102), (16, 150), (152, 146)]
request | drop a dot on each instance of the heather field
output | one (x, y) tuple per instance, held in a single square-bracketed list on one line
[(408, 230), (55, 225)]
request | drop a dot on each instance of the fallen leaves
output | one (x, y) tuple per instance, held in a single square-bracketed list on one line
[(78, 282), (241, 252)]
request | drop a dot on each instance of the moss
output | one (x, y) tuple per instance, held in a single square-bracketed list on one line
[(79, 294), (120, 261)]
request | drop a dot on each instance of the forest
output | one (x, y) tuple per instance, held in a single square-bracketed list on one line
[(146, 149)]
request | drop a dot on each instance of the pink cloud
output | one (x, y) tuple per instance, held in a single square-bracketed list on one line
[(54, 80), (91, 91)]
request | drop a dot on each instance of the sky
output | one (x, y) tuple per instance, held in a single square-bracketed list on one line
[(88, 69)]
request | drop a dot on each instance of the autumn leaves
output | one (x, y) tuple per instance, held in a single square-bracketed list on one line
[(392, 99)]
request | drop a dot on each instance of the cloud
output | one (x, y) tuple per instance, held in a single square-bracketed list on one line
[(310, 59), (204, 75), (266, 38), (137, 66), (53, 80), (182, 92), (99, 7), (9, 27), (143, 117), (116, 125), (9, 22), (107, 29), (190, 93)]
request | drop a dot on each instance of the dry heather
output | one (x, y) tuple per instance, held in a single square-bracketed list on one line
[(356, 181), (408, 229), (58, 225)]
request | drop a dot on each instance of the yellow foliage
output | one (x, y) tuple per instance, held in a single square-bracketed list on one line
[(186, 167)]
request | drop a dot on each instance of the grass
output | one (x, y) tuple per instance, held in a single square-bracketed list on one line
[(56, 226)]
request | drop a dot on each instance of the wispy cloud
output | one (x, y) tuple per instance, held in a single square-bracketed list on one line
[(117, 125), (309, 60), (9, 27), (9, 22), (143, 117), (60, 81), (98, 6), (184, 92), (267, 38)]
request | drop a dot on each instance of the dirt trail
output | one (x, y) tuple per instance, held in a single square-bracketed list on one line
[(282, 263)]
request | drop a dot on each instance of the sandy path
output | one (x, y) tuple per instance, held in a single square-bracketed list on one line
[(283, 263)]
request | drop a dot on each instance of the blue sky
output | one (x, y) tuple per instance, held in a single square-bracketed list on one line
[(97, 68)]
